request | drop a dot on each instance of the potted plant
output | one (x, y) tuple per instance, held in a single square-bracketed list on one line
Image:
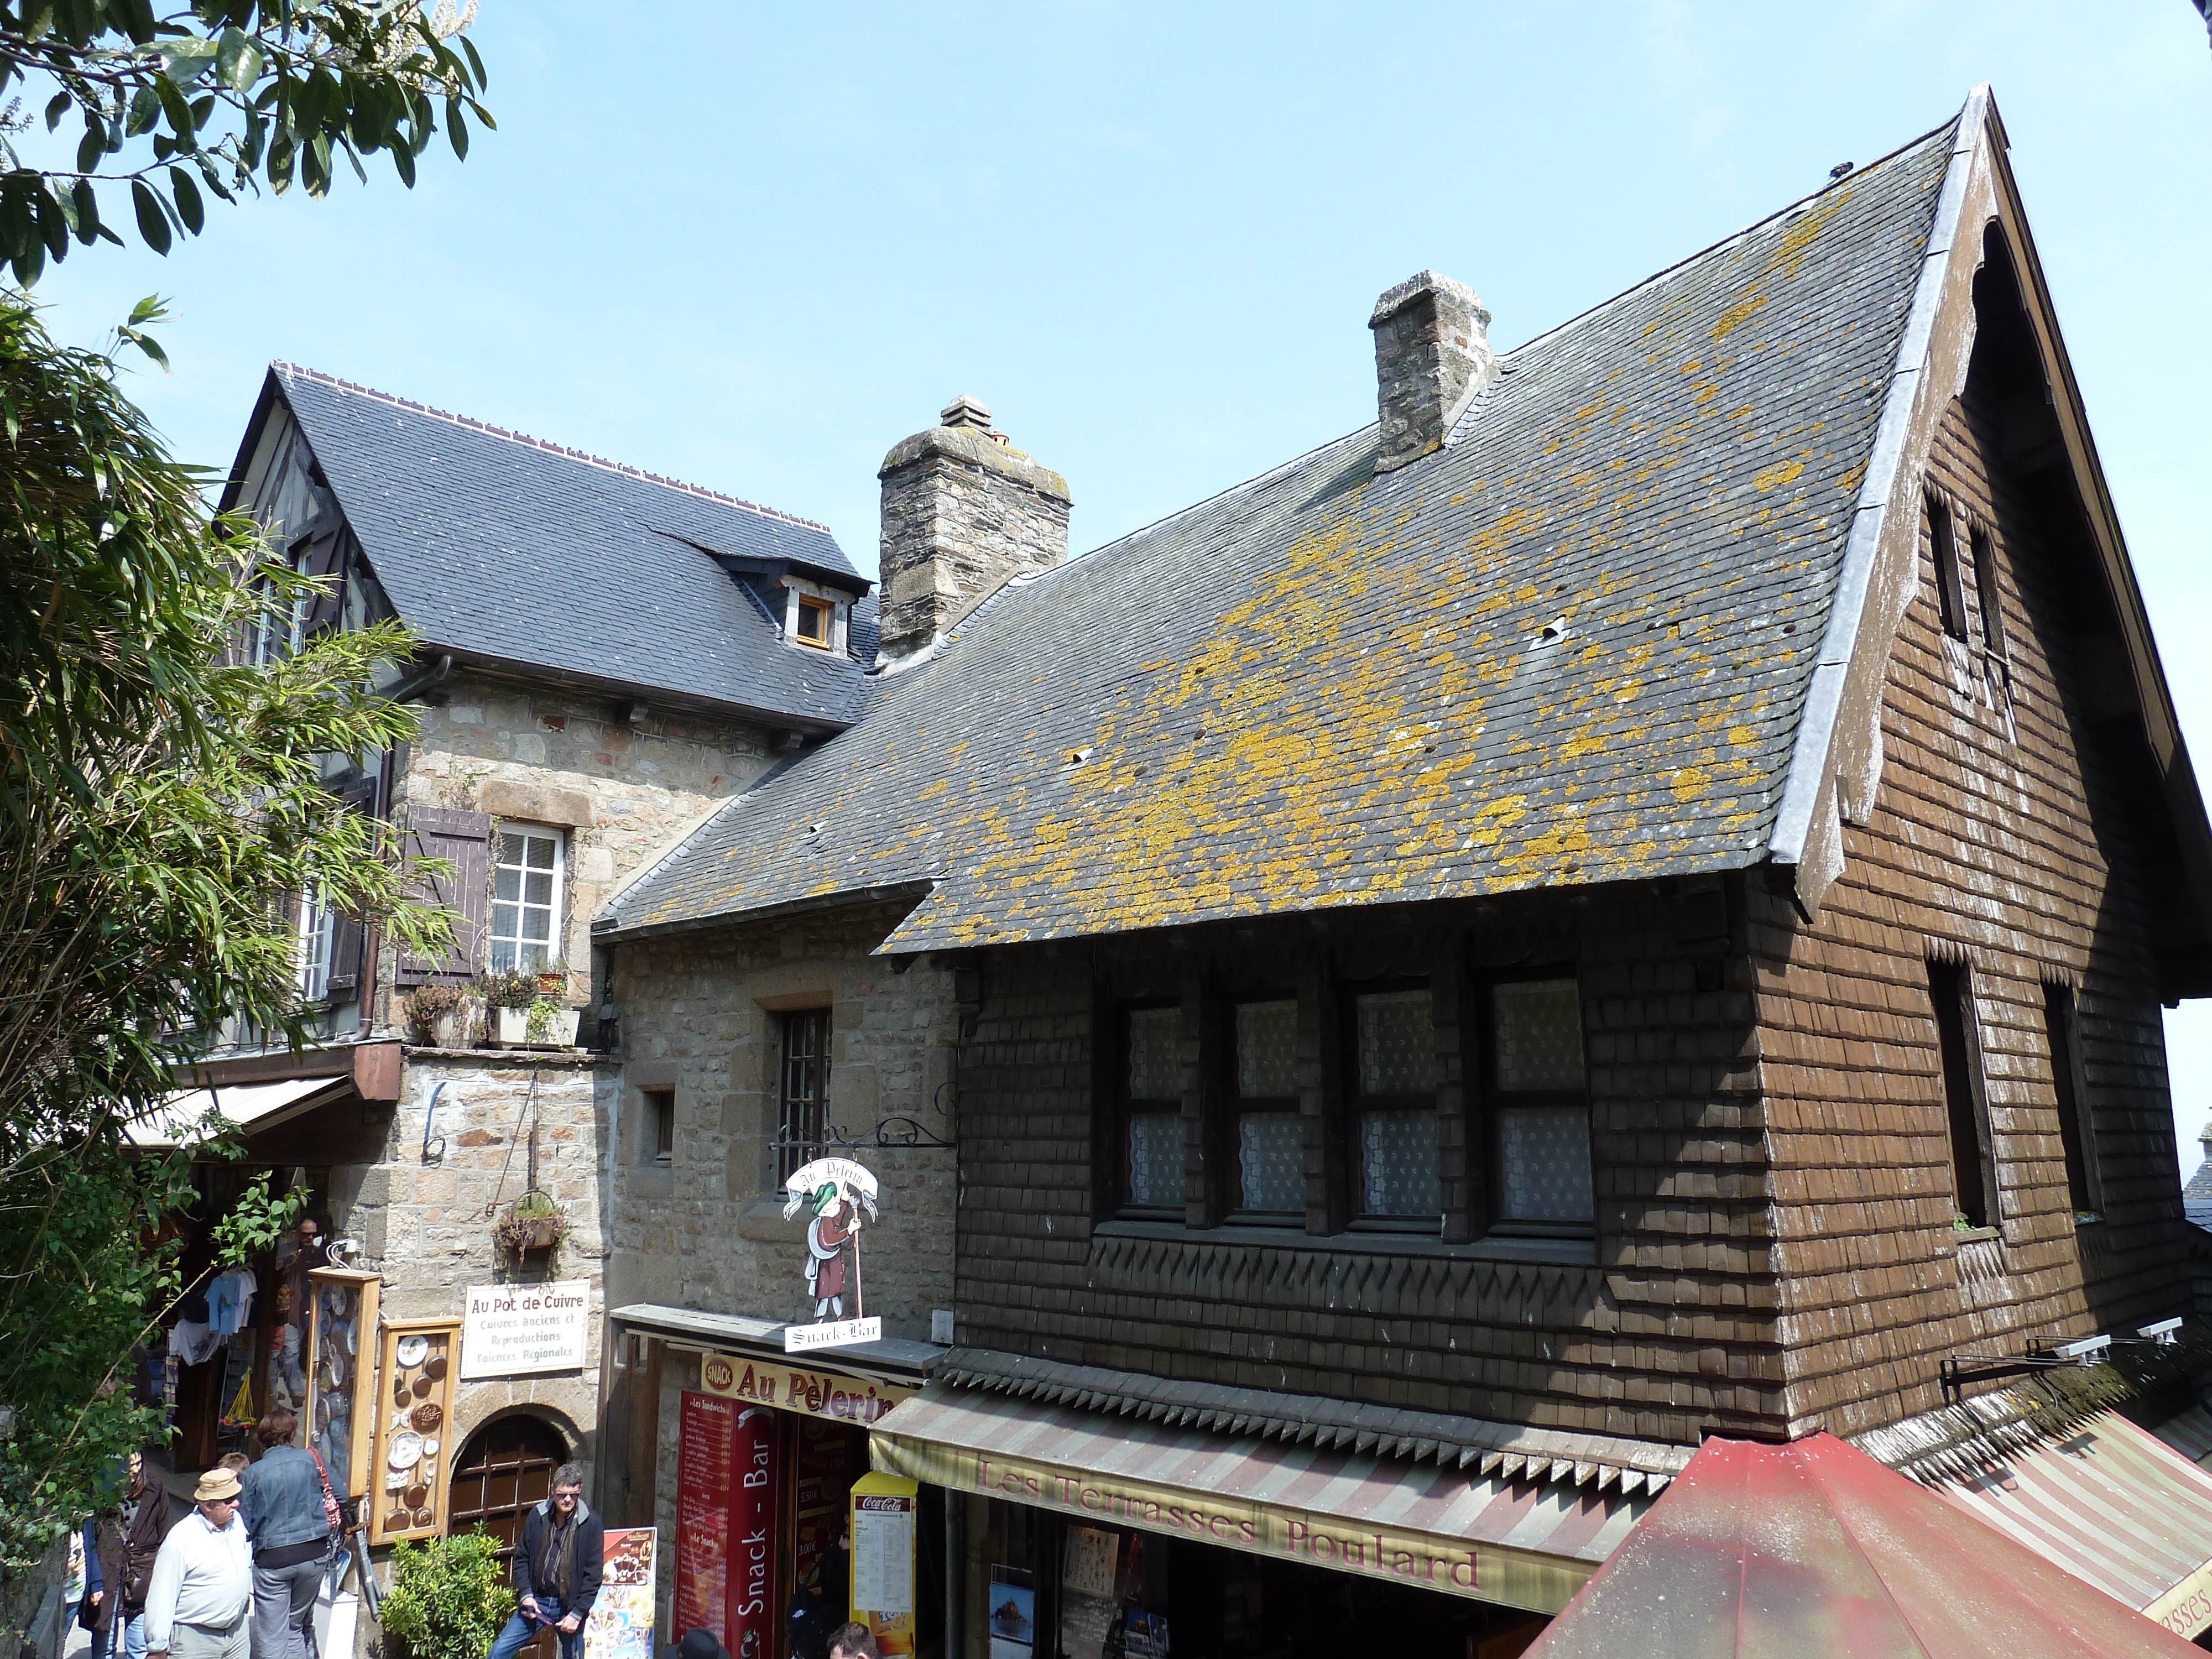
[(507, 993), (438, 1015), (552, 979), (448, 1597), (532, 1222), (549, 1025)]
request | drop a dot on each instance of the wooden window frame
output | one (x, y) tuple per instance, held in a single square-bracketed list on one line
[(1493, 1100), (826, 610), (1357, 1104), (1119, 1198), (1960, 1071), (556, 923), (2077, 1120), (1950, 584), (807, 1114), (1234, 1107)]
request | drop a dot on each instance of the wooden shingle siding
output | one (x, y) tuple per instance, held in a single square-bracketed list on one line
[(1659, 1328), (2009, 827)]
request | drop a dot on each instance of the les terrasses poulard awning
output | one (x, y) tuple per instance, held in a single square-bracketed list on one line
[(1520, 1543)]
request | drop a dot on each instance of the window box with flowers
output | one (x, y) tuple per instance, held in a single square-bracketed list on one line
[(521, 1015)]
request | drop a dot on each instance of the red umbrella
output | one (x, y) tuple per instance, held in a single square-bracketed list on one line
[(1816, 1550)]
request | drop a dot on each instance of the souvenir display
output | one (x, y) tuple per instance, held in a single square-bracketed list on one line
[(417, 1392), (342, 1387)]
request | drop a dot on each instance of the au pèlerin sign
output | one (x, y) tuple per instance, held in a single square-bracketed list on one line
[(840, 1198)]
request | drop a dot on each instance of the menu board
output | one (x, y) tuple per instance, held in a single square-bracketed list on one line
[(705, 1455), (1088, 1574), (882, 1521), (341, 1371), (621, 1622), (413, 1408)]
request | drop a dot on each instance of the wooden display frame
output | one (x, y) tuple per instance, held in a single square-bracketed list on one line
[(359, 1387), (443, 1337)]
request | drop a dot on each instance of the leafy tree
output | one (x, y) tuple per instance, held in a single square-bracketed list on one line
[(217, 96), (448, 1597), (162, 804)]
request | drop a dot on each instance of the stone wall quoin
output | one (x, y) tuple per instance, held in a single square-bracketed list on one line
[(703, 1017)]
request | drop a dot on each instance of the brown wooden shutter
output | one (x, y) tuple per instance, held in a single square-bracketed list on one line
[(347, 936), (327, 610), (464, 840)]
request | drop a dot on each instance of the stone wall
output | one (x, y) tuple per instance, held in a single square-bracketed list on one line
[(702, 1014), (625, 791), (425, 1217)]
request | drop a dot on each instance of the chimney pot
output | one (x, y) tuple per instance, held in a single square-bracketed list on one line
[(965, 410), (1432, 357)]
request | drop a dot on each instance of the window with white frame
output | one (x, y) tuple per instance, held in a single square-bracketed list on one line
[(276, 633), (314, 948), (526, 898)]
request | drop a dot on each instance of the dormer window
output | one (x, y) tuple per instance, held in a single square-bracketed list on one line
[(817, 620), (813, 615)]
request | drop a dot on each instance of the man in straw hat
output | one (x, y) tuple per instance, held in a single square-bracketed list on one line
[(203, 1585)]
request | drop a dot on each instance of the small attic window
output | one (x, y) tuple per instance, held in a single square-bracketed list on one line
[(816, 620), (1950, 589)]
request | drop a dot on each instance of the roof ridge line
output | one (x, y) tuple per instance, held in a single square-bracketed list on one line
[(1733, 237), (547, 446)]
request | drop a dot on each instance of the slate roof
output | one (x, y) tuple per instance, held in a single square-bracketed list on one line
[(501, 547), (1327, 688), (2197, 1195)]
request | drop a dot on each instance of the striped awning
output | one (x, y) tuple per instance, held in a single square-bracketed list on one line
[(2189, 1434), (2115, 1506), (1522, 1544)]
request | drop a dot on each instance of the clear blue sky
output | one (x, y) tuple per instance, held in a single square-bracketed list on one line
[(758, 246)]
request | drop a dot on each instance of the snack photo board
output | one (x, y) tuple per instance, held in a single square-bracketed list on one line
[(341, 1368), (415, 1444)]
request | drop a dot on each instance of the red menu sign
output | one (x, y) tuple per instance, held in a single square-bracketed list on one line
[(756, 1505), (706, 1440)]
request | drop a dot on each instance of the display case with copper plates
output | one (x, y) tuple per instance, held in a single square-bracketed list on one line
[(341, 1345), (415, 1444)]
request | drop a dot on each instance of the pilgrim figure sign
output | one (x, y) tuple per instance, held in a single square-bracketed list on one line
[(839, 1197)]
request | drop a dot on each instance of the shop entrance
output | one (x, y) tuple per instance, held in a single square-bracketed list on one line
[(505, 1469)]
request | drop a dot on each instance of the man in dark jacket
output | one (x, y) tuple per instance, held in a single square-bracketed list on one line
[(280, 1500), (557, 1568)]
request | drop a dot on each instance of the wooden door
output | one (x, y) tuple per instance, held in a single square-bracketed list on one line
[(503, 1473)]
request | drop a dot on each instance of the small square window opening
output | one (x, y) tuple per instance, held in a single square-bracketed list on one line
[(1270, 1144), (813, 622), (1151, 1101), (1395, 1114), (1541, 1115), (805, 1088), (659, 1141), (1950, 587)]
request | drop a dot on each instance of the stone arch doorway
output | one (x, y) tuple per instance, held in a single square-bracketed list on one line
[(505, 1469)]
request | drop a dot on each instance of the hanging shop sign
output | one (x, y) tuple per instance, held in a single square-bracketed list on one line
[(620, 1623), (839, 1197), (788, 1387), (516, 1330), (413, 1414), (882, 1523)]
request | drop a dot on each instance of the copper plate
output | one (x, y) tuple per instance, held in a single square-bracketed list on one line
[(436, 1368), (428, 1416), (423, 1517), (422, 1388), (395, 1521), (415, 1496), (399, 1392)]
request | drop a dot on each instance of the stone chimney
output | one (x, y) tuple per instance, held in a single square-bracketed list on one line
[(1432, 357), (962, 511)]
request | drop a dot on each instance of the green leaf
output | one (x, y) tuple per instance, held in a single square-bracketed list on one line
[(53, 222), (147, 343), (279, 162), (145, 109), (93, 145), (315, 166), (179, 112), (28, 263), (152, 224), (147, 310), (402, 163), (87, 211), (238, 61), (188, 199), (457, 130), (56, 108)]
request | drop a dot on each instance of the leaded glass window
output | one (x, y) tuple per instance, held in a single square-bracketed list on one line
[(1151, 1094), (1395, 1111), (1270, 1147), (1540, 1112)]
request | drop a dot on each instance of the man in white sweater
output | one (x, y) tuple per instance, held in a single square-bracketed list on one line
[(203, 1583)]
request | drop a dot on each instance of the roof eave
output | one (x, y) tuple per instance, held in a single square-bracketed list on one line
[(615, 687), (845, 898)]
